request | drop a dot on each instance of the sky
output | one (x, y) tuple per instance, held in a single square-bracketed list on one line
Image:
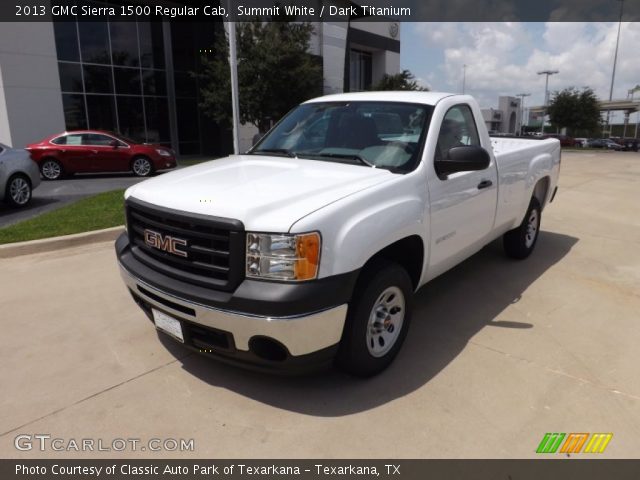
[(504, 58)]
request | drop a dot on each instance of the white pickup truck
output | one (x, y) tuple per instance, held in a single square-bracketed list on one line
[(307, 249)]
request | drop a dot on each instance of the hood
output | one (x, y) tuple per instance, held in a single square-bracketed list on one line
[(265, 193)]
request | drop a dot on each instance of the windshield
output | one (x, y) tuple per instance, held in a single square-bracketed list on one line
[(375, 134)]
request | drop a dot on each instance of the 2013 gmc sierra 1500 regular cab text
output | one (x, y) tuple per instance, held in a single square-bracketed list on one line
[(307, 249)]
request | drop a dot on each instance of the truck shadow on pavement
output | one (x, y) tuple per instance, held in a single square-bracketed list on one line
[(448, 312)]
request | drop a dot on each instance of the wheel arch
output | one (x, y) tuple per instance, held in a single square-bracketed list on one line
[(49, 157), (408, 252), (135, 156), (541, 190)]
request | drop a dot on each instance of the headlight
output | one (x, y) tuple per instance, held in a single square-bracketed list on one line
[(163, 153), (283, 256)]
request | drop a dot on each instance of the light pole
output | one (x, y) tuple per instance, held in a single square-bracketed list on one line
[(615, 62), (522, 97), (633, 92), (464, 78), (233, 67), (546, 94)]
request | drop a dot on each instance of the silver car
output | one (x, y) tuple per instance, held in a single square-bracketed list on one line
[(19, 175)]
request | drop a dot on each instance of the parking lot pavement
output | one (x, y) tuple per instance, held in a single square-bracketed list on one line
[(499, 353)]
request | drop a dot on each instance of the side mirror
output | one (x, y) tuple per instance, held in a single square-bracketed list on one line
[(463, 159), (114, 143)]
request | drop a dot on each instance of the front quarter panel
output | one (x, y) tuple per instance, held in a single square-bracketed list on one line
[(355, 228)]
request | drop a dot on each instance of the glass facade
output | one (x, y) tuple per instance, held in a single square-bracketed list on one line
[(184, 41), (360, 70), (113, 77)]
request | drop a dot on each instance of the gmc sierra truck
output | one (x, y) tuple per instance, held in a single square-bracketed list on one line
[(306, 250)]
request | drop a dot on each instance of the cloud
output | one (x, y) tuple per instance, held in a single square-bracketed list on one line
[(504, 58)]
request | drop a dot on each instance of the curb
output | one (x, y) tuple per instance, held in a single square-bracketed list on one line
[(10, 250)]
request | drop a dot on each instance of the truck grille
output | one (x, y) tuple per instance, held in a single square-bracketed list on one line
[(197, 249)]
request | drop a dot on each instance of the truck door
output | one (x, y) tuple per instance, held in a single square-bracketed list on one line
[(462, 204)]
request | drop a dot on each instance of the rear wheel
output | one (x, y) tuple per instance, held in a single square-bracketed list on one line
[(18, 191), (520, 242), (141, 166), (378, 320), (51, 169)]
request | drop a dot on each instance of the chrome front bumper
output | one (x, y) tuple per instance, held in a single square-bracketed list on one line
[(301, 335)]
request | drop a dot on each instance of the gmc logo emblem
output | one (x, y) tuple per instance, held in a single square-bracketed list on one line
[(166, 243)]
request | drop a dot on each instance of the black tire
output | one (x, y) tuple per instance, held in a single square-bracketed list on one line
[(18, 191), (141, 166), (360, 352), (520, 242), (51, 169)]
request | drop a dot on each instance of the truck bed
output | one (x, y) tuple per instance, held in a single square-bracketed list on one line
[(505, 145)]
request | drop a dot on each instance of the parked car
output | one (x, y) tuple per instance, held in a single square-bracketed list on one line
[(93, 151), (628, 144), (308, 248), (565, 140), (18, 176), (581, 142), (604, 143)]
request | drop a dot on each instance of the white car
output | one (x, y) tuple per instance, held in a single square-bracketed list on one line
[(19, 175), (307, 249)]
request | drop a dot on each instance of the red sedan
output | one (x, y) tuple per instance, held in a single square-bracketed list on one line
[(92, 151)]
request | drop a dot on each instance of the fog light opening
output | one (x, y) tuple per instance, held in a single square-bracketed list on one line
[(268, 349)]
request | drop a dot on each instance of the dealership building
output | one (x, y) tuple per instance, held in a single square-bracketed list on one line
[(507, 118), (136, 78)]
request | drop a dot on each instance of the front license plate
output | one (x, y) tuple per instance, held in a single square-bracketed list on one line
[(168, 324)]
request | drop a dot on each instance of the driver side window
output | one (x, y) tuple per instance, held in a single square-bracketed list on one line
[(458, 129)]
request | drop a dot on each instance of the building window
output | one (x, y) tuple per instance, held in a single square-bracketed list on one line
[(360, 71), (70, 77), (94, 42), (66, 35), (101, 112), (124, 44), (74, 111), (112, 76), (184, 42)]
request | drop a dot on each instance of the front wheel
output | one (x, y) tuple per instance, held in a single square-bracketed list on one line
[(18, 192), (520, 242), (378, 320), (142, 167)]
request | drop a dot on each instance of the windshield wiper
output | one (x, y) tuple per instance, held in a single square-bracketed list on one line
[(277, 151), (347, 156)]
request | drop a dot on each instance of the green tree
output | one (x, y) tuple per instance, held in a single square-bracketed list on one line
[(576, 110), (275, 72), (404, 80)]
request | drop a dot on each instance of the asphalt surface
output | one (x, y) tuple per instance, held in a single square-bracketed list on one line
[(500, 352), (52, 195)]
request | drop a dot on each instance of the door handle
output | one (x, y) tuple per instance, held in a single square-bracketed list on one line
[(94, 152), (484, 184)]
